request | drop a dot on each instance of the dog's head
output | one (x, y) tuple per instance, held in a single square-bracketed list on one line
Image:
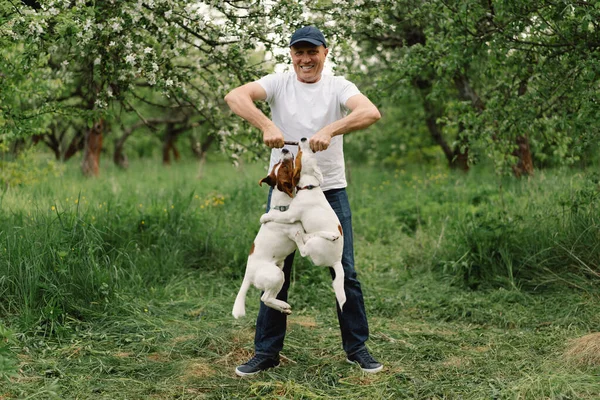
[(306, 162), (282, 174)]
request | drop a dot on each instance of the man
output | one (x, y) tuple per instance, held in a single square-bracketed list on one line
[(305, 103)]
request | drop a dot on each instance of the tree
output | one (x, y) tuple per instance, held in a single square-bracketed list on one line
[(93, 61), (493, 76)]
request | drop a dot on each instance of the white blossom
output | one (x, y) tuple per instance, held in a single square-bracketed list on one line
[(148, 50), (169, 82), (151, 78), (130, 59), (97, 60), (36, 28), (116, 27)]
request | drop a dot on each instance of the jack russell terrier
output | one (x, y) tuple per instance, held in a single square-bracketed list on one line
[(313, 211), (274, 241)]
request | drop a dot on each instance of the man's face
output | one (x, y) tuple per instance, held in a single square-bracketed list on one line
[(308, 61)]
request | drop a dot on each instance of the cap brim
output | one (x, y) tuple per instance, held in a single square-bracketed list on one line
[(311, 41)]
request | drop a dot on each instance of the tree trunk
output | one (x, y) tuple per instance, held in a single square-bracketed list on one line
[(119, 156), (200, 150), (456, 158), (93, 146), (524, 165), (51, 141), (169, 144), (77, 143)]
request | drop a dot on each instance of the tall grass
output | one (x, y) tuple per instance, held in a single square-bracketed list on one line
[(130, 278), (71, 247)]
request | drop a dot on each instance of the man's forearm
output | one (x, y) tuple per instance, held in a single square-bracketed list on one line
[(360, 118), (244, 107)]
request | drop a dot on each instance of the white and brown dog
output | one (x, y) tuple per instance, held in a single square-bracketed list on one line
[(311, 208), (274, 241)]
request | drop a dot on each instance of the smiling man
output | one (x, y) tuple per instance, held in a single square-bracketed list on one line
[(306, 103)]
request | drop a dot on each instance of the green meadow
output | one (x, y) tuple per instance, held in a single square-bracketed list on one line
[(121, 287)]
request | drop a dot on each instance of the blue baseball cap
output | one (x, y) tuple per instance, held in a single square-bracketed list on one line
[(308, 34)]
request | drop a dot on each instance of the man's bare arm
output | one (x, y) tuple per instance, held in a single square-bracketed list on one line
[(241, 101), (363, 113)]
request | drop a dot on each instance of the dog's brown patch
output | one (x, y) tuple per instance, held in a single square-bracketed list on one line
[(340, 229), (252, 248), (297, 168), (270, 179), (285, 177)]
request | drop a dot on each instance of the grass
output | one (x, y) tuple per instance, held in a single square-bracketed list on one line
[(124, 290)]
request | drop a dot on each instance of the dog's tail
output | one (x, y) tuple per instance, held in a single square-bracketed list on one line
[(239, 307), (338, 284)]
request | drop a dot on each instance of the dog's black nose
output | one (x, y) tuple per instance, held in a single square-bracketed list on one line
[(285, 151), (303, 139)]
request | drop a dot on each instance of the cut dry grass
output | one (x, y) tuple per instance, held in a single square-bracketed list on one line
[(584, 351)]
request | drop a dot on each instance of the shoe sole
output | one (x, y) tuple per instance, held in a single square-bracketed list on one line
[(246, 374), (368, 371)]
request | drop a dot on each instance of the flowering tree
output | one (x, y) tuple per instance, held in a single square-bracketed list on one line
[(494, 78), (118, 65)]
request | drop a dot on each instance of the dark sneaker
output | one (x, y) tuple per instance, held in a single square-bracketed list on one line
[(256, 364), (365, 360)]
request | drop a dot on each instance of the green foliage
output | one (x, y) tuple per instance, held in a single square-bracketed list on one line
[(485, 73), (133, 64), (529, 243), (26, 168), (397, 141)]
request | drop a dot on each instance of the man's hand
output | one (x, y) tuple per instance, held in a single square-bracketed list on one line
[(273, 137), (320, 141)]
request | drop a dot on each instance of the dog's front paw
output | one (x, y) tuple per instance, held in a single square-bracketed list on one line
[(286, 308), (265, 218), (333, 237)]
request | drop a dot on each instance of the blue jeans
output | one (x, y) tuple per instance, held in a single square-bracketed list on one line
[(271, 324)]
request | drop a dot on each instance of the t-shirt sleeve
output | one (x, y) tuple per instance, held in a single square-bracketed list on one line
[(271, 84), (346, 90)]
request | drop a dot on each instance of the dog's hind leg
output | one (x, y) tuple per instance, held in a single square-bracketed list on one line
[(272, 280), (302, 240), (338, 284)]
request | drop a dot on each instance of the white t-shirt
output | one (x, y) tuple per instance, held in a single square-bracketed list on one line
[(302, 109)]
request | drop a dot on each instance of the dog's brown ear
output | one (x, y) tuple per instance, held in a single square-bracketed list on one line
[(271, 179), (268, 180), (297, 168)]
